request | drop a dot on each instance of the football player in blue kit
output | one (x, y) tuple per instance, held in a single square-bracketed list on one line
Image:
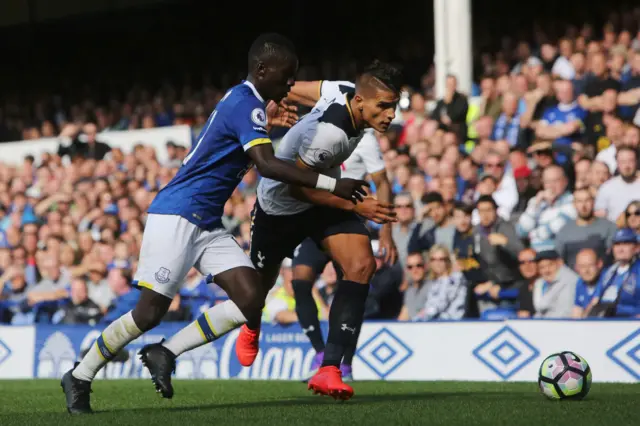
[(184, 227)]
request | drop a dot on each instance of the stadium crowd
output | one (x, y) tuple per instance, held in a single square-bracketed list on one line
[(521, 200)]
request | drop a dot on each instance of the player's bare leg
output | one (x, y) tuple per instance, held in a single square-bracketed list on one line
[(247, 344), (76, 383), (246, 298), (352, 253)]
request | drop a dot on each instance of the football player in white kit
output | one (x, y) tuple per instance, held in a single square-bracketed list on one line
[(285, 215), (309, 259)]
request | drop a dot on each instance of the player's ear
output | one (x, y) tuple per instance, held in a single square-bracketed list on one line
[(359, 102), (261, 69)]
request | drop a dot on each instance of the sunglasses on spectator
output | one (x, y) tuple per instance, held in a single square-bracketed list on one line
[(526, 261), (634, 213), (404, 206), (438, 259), (416, 265)]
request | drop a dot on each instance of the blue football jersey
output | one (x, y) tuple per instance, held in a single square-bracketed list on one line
[(562, 114), (217, 161), (585, 293)]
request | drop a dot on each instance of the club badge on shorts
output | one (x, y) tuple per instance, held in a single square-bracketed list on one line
[(162, 276)]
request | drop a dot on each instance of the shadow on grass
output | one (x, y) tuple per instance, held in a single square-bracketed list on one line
[(324, 401)]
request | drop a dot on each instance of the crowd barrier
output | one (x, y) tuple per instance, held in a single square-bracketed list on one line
[(468, 350), (14, 152)]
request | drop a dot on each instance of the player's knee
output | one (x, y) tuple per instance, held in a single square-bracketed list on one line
[(360, 269), (303, 272), (148, 317)]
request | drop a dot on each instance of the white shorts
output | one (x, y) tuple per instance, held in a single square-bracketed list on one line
[(171, 245)]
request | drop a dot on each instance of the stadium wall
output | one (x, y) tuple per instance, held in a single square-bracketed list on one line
[(467, 350), (14, 152)]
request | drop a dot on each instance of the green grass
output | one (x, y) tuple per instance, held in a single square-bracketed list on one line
[(124, 402)]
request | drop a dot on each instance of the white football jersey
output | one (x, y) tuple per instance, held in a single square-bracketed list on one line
[(323, 140)]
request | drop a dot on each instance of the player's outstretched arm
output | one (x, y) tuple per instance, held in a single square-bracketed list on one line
[(271, 167), (369, 208), (305, 93)]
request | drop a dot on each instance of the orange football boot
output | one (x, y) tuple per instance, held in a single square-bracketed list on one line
[(247, 345), (328, 381)]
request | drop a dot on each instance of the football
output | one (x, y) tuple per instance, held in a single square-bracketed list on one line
[(564, 375)]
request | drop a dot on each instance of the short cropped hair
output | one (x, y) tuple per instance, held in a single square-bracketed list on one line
[(268, 46)]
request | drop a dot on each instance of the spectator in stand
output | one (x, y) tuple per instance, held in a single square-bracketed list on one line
[(582, 169), (451, 111), (506, 192), (507, 125), (533, 106), (467, 255), (589, 267), (586, 231), (563, 66), (526, 191), (603, 129), (564, 122), (598, 174), (14, 306), (385, 299), (599, 82), (52, 288), (619, 291), (415, 296), (281, 308), (528, 268), (498, 248), (548, 212), (629, 97), (491, 100), (579, 62), (632, 216), (80, 309), (614, 140), (616, 194), (436, 229), (120, 283), (555, 291), (542, 153), (446, 288), (402, 230), (84, 144), (99, 290)]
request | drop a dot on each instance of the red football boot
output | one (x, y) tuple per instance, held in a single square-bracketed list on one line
[(247, 345), (328, 381)]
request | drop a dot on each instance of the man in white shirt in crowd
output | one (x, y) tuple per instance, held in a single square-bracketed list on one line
[(506, 193), (615, 194)]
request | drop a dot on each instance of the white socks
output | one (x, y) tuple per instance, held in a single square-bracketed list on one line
[(115, 337), (214, 323)]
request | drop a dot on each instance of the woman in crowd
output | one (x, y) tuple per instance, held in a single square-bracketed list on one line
[(447, 289)]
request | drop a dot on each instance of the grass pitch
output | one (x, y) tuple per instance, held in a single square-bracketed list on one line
[(236, 403)]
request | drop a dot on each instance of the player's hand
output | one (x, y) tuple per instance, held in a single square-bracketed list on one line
[(351, 189), (374, 210), (387, 248), (281, 115)]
